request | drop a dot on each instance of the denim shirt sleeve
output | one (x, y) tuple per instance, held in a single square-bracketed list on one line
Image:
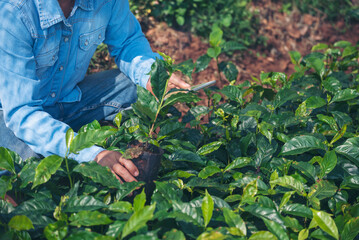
[(128, 45), (20, 91)]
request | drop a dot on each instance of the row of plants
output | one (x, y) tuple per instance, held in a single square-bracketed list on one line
[(271, 158)]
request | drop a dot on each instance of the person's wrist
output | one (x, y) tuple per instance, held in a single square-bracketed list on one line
[(100, 155)]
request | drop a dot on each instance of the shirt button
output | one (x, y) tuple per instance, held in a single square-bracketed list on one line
[(61, 68), (66, 39), (53, 57), (99, 36), (53, 95), (86, 42)]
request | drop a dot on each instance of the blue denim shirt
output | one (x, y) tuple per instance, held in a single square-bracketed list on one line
[(43, 56)]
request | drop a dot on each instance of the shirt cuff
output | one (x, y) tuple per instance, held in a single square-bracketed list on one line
[(86, 155), (144, 72)]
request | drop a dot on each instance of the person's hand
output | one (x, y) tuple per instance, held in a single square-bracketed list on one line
[(124, 170), (174, 82)]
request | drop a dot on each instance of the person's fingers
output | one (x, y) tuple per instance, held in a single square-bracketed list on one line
[(123, 173), (129, 165), (178, 82), (118, 178)]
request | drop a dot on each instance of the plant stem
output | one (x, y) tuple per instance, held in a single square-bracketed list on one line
[(68, 172), (219, 71)]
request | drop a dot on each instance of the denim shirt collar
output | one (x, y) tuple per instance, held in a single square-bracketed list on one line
[(50, 12)]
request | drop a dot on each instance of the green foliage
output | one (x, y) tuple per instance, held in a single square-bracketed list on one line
[(259, 162)]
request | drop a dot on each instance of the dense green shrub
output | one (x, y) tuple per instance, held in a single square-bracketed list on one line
[(277, 158)]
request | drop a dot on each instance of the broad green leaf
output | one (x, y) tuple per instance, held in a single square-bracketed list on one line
[(284, 96), (285, 199), (351, 229), (89, 138), (98, 174), (263, 235), (317, 64), (47, 167), (179, 174), (230, 46), (264, 212), (233, 93), (249, 193), (267, 130), (181, 97), (202, 62), (83, 203), (350, 182), (339, 135), (345, 95), (215, 37), (121, 206), (214, 52), (213, 235), (322, 189), (303, 234), (138, 220), (208, 171), (187, 156), (56, 231), (5, 185), (89, 218), (238, 163), (349, 50), (35, 206), (290, 182), (328, 164), (139, 201), (332, 85), (319, 46), (326, 223), (6, 161), (315, 102), (115, 229), (118, 119), (276, 229), (342, 44), (302, 144), (174, 234), (342, 118), (234, 220), (229, 69), (207, 208), (328, 120), (69, 138), (295, 57), (305, 168), (350, 149), (146, 104), (20, 223), (126, 188), (186, 67), (81, 235), (159, 78), (297, 209), (6, 207)]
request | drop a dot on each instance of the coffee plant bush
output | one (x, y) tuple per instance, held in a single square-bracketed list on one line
[(274, 158)]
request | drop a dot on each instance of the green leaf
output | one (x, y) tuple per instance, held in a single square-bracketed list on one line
[(207, 208), (264, 212), (98, 174), (146, 104), (5, 185), (186, 67), (349, 50), (202, 63), (6, 161), (139, 201), (276, 229), (350, 149), (267, 130), (121, 207), (83, 203), (47, 167), (138, 220), (249, 193), (289, 182), (229, 69), (56, 231), (179, 174), (234, 220), (284, 96), (345, 95), (317, 64), (238, 163), (303, 234), (115, 229), (342, 44), (301, 144), (89, 218), (20, 223), (305, 168), (326, 223), (285, 199), (159, 78), (322, 190), (209, 148), (328, 120), (332, 85), (295, 57), (80, 235), (174, 234), (181, 97), (233, 93), (215, 38), (328, 164), (214, 52), (351, 229), (118, 119), (35, 206), (89, 138), (319, 46), (297, 209), (187, 156), (262, 235), (69, 138), (208, 171), (233, 46)]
